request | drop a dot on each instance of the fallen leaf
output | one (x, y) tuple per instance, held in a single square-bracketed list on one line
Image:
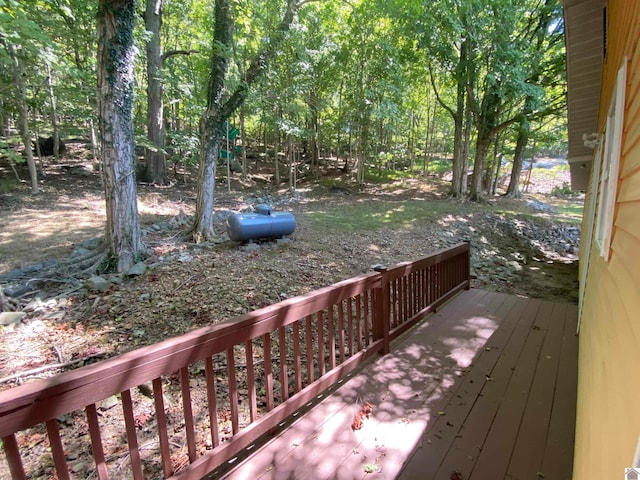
[(370, 468)]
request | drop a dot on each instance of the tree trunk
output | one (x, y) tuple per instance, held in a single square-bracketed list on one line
[(94, 140), (154, 156), (276, 148), (40, 166), (466, 147), (243, 140), (23, 120), (3, 119), (54, 113), (513, 190), (116, 54), (315, 151), (458, 121), (482, 148)]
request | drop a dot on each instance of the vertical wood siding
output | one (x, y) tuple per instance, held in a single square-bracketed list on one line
[(608, 416)]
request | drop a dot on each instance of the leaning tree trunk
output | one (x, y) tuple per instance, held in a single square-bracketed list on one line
[(154, 156), (23, 120), (116, 54), (211, 130)]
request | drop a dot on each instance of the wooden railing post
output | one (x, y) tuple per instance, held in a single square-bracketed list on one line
[(467, 265), (382, 312)]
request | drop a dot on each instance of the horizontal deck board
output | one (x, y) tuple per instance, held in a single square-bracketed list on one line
[(454, 382)]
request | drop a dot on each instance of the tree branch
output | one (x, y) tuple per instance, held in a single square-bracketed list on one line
[(171, 53), (435, 90)]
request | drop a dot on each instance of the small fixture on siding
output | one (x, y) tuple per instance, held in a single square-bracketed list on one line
[(591, 140)]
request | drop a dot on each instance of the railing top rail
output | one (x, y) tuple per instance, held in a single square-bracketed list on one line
[(406, 268), (46, 399)]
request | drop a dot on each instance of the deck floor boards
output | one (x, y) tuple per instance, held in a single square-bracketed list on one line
[(485, 387)]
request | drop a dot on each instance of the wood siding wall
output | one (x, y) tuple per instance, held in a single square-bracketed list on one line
[(608, 411)]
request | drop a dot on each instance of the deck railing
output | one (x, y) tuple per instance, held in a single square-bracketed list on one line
[(181, 408)]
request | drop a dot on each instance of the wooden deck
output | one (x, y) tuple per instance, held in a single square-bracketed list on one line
[(484, 389)]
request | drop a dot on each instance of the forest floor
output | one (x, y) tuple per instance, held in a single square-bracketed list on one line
[(524, 246)]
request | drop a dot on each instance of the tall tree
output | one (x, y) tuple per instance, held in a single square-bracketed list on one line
[(23, 121), (449, 43), (23, 41), (116, 54), (219, 110), (545, 40), (154, 153)]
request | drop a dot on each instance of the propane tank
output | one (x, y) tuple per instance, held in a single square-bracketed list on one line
[(263, 224)]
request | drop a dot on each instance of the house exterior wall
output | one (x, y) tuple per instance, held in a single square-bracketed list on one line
[(608, 409)]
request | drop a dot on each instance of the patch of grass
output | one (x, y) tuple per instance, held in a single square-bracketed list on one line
[(569, 209), (330, 182), (8, 185), (438, 165), (371, 215), (386, 176)]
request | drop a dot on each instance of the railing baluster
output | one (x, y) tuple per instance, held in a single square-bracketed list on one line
[(297, 356), (406, 314), (57, 450), (445, 274), (358, 300), (188, 413), (410, 290), (432, 283), (394, 302), (424, 289), (284, 374), (11, 450), (211, 397), (320, 324), (268, 370), (415, 281), (367, 299), (332, 336), (309, 334), (96, 441), (251, 382), (341, 331), (161, 419), (350, 326), (132, 437), (233, 390), (418, 292)]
